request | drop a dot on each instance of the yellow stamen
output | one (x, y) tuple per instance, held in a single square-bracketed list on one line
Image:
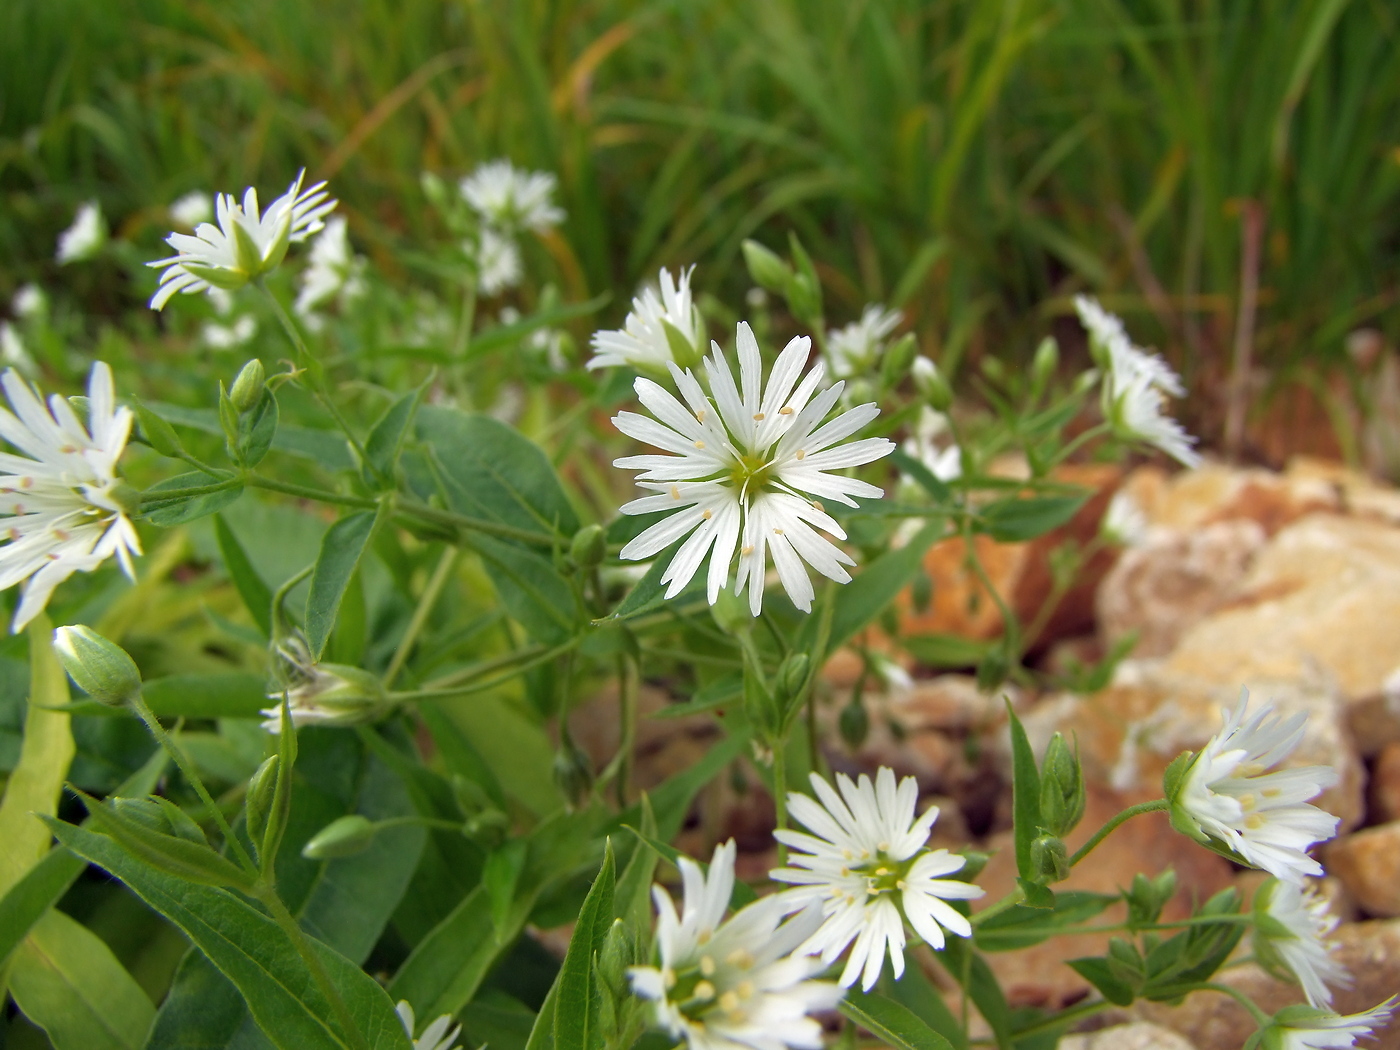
[(707, 965), (801, 453), (708, 514), (675, 492), (704, 991), (786, 410), (729, 1002), (758, 417), (699, 444)]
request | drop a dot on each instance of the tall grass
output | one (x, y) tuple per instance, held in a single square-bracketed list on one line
[(975, 161)]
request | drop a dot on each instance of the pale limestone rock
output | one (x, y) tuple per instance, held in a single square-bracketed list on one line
[(1368, 864), (1385, 785), (1139, 1035)]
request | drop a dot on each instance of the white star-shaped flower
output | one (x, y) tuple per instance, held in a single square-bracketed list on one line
[(60, 510), (855, 348), (1307, 1028), (867, 867), (511, 199), (943, 463), (332, 267), (82, 240), (439, 1035), (246, 243), (1291, 927), (192, 208), (642, 342), (498, 265), (732, 985), (747, 469), (1227, 794)]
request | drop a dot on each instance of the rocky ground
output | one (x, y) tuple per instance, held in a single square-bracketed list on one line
[(1287, 584)]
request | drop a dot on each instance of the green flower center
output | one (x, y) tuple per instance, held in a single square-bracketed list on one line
[(751, 474)]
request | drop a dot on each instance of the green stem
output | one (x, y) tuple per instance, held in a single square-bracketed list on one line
[(197, 463), (288, 488), (1064, 1017), (172, 749), (419, 822), (313, 963), (447, 692), (166, 495), (426, 601), (1075, 444), (1008, 902), (780, 795), (1011, 625), (627, 674), (1260, 1017), (1103, 832), (462, 342)]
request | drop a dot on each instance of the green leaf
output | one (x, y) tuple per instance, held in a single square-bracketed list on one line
[(1025, 795), (33, 895), (946, 650), (341, 549), (534, 594), (926, 478), (633, 892), (255, 954), (1097, 972), (256, 595), (864, 598), (37, 779), (180, 510), (174, 856), (1021, 927), (387, 435), (982, 986), (67, 981), (575, 1009), (1015, 520), (500, 877), (222, 694), (492, 471), (256, 428), (326, 448), (894, 1025), (917, 993)]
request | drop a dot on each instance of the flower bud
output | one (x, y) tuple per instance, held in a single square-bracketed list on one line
[(1049, 859), (766, 268), (157, 433), (854, 723), (343, 837), (617, 954), (899, 358), (805, 299), (1062, 795), (100, 668), (248, 386), (573, 772), (993, 369), (1043, 365), (321, 693), (792, 675), (262, 794), (931, 385), (588, 547)]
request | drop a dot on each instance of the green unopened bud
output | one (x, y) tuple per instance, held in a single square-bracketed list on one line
[(1148, 897), (102, 669), (156, 432), (248, 386), (262, 795), (805, 299), (993, 670), (993, 369), (619, 952), (573, 772), (792, 675), (931, 385), (488, 828), (766, 268), (1062, 795), (434, 189), (323, 693), (471, 797), (860, 391), (899, 358), (1086, 381), (343, 837), (1049, 859), (1043, 365), (589, 545), (854, 723)]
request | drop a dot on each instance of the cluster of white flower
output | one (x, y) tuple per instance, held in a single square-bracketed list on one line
[(925, 445), (1136, 385), (60, 496), (507, 202), (660, 318), (333, 269)]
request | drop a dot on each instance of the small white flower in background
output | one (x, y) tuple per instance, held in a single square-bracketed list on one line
[(1291, 927), (439, 1035), (1136, 385), (1307, 1028), (498, 265), (12, 351), (193, 208), (246, 243), (320, 694), (945, 464), (59, 500), (867, 867), (29, 302), (332, 268), (1124, 524), (85, 237), (732, 985), (643, 342), (1227, 794), (510, 198), (855, 348), (748, 469), (891, 674), (227, 336)]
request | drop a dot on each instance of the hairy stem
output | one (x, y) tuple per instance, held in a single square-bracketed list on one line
[(1113, 824), (426, 601)]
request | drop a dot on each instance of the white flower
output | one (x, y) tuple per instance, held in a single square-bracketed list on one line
[(29, 301), (1227, 794), (60, 497), (1136, 385), (435, 1037), (227, 336), (1291, 927), (497, 261), (855, 348), (745, 473), (246, 242), (867, 867), (193, 208), (1124, 524), (85, 237), (642, 342), (12, 351), (332, 267), (511, 199), (943, 463), (732, 985), (322, 694), (1305, 1028)]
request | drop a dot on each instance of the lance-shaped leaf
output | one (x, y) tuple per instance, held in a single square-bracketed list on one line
[(576, 1007), (341, 550)]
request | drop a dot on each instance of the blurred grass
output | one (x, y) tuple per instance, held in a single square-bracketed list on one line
[(975, 161)]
